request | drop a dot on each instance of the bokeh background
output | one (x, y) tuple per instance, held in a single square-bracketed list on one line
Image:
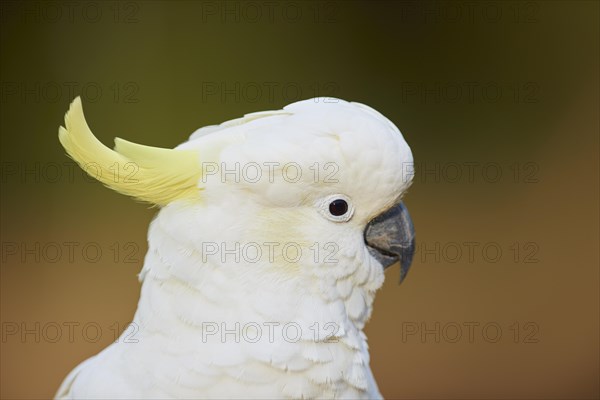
[(499, 101)]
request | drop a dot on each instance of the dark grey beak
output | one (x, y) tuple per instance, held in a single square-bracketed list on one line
[(390, 237)]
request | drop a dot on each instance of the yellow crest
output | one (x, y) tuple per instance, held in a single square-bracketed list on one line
[(151, 174)]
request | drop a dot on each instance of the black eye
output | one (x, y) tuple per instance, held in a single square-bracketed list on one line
[(338, 207)]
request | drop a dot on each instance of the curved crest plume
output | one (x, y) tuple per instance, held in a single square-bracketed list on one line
[(152, 174)]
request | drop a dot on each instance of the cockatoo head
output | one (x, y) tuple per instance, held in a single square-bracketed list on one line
[(309, 194)]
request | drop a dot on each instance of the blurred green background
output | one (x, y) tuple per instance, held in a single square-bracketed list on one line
[(499, 101)]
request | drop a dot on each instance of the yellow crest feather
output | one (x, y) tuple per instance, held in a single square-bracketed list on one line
[(151, 174)]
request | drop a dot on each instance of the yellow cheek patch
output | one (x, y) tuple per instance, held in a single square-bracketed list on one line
[(155, 175), (285, 242)]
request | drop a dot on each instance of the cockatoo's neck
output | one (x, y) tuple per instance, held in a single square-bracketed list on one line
[(237, 323), (186, 284)]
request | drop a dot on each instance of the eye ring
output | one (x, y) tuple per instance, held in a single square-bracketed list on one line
[(336, 207)]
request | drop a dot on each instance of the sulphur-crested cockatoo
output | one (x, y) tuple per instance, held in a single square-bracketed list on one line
[(272, 238)]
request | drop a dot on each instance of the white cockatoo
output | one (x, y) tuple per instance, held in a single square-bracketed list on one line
[(272, 238)]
